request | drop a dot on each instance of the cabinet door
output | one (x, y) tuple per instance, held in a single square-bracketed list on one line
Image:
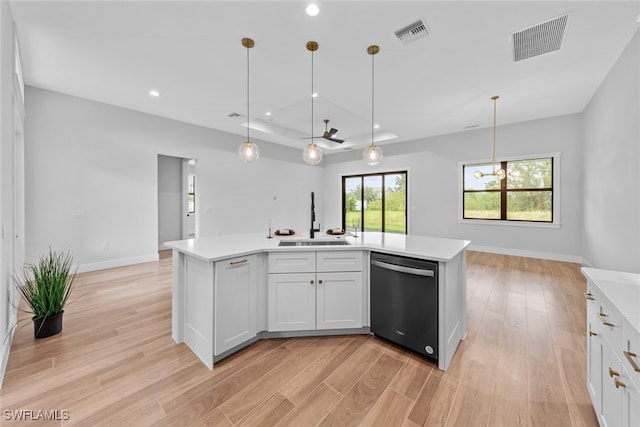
[(339, 300), (594, 362), (630, 400), (236, 289), (611, 395), (292, 302)]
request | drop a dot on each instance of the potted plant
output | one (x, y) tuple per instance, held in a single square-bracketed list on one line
[(45, 287)]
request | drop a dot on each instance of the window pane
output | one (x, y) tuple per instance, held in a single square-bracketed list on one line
[(353, 204), (373, 203), (482, 205), (529, 205), (487, 182), (535, 173), (395, 203)]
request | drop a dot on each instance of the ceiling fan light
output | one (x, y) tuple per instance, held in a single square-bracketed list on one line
[(312, 154), (372, 155), (248, 152)]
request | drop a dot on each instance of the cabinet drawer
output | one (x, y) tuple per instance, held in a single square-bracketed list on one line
[(339, 261), (292, 262), (610, 320), (630, 351)]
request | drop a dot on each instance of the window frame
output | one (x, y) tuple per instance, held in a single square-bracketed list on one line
[(362, 177), (555, 192)]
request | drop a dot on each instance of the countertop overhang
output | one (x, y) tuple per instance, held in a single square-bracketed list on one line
[(233, 245)]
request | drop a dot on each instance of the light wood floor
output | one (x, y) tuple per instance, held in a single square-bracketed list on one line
[(521, 364)]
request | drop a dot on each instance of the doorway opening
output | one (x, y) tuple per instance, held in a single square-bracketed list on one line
[(177, 199)]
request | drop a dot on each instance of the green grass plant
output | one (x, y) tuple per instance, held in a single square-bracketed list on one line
[(46, 285)]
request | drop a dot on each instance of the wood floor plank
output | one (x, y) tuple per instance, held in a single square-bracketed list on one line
[(390, 410), (355, 405), (313, 409), (304, 383), (268, 413), (522, 362)]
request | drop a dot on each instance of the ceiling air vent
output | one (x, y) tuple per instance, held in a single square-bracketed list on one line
[(412, 32), (539, 39)]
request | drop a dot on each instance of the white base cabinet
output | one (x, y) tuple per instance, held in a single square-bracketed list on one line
[(236, 291), (613, 375), (309, 290)]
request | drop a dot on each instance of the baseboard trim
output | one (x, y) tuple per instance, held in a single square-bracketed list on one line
[(120, 262), (6, 348), (528, 254)]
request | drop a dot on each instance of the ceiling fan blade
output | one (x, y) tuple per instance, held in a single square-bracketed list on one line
[(339, 141), (332, 132)]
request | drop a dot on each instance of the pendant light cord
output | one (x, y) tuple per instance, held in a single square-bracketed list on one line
[(372, 94), (247, 94), (493, 165), (312, 97)]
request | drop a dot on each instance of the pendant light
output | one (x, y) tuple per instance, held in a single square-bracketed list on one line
[(372, 154), (312, 154), (500, 173), (248, 151)]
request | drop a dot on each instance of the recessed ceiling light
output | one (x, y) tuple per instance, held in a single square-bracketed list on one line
[(314, 95), (312, 10), (268, 113), (154, 93), (376, 126)]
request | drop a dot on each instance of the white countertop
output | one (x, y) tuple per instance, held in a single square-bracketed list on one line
[(229, 246), (621, 289)]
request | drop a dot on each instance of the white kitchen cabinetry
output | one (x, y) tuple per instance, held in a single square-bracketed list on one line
[(236, 290), (613, 375), (315, 290)]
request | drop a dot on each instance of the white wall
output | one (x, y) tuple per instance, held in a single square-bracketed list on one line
[(612, 167), (170, 203), (433, 184), (102, 160), (7, 173)]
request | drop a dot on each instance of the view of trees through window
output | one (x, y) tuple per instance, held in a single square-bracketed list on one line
[(191, 193), (375, 202), (526, 194)]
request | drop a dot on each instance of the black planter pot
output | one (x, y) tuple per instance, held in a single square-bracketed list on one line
[(46, 326)]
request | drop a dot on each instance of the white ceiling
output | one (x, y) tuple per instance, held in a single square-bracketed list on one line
[(116, 51)]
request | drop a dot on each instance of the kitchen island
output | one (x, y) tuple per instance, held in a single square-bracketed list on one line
[(230, 291)]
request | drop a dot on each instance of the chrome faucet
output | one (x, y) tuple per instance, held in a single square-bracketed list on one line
[(313, 218)]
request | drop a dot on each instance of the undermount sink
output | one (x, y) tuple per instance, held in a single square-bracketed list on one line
[(313, 243)]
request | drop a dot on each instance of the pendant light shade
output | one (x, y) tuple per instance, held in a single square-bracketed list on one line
[(500, 173), (248, 151), (312, 154), (372, 155)]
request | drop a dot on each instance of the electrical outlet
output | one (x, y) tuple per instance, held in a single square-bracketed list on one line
[(78, 214), (105, 246)]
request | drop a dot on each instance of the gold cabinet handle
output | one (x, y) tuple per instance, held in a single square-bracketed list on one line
[(629, 356), (592, 334), (604, 322), (618, 383), (589, 296), (613, 373), (242, 261)]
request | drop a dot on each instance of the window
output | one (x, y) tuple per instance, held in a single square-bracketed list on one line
[(375, 202), (525, 195), (191, 193)]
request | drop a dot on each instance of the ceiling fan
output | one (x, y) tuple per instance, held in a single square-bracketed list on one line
[(328, 134)]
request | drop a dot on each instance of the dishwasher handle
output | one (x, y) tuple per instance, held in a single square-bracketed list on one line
[(403, 269)]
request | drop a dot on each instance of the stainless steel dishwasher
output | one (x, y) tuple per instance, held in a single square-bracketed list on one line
[(404, 302)]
